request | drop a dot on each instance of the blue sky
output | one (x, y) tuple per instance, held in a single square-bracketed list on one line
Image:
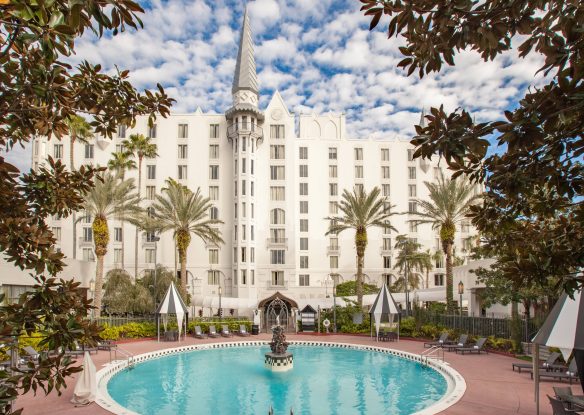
[(320, 55)]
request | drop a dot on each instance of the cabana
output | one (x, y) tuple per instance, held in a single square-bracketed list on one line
[(383, 305), (564, 329), (172, 304)]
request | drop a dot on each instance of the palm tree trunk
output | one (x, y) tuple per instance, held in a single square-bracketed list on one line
[(183, 268), (72, 167), (449, 277), (137, 231), (360, 245), (98, 286)]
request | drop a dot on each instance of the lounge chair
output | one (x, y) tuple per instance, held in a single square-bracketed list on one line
[(571, 374), (106, 345), (199, 333), (213, 332), (242, 331), (559, 408), (565, 394), (225, 331), (462, 342), (477, 348), (550, 361), (440, 342)]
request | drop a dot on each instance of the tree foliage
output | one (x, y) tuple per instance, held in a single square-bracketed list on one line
[(349, 288), (411, 262), (536, 172)]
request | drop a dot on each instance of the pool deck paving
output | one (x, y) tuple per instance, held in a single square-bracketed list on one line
[(491, 386)]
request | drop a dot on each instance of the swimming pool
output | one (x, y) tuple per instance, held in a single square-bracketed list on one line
[(326, 379)]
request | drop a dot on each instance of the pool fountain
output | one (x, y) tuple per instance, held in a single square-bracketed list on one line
[(279, 359)]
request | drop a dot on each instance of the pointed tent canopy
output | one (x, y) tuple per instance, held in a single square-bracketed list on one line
[(172, 303), (384, 304)]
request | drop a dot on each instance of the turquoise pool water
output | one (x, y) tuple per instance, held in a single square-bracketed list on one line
[(324, 380)]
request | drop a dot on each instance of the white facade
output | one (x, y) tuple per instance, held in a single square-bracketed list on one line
[(272, 184)]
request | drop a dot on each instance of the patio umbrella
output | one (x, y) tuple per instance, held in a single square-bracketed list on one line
[(384, 304), (172, 304), (86, 387), (564, 329)]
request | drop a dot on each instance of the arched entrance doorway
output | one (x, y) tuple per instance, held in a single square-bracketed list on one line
[(278, 308)]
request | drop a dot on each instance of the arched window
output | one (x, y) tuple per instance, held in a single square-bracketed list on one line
[(214, 213), (277, 217)]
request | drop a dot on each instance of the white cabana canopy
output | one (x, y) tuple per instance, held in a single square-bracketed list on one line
[(384, 304), (172, 303)]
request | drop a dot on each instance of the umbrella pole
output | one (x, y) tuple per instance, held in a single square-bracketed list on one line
[(536, 376), (158, 326)]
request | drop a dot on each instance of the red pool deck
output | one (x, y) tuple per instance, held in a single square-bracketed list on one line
[(492, 387)]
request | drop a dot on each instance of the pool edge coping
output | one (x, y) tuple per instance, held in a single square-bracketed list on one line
[(456, 385)]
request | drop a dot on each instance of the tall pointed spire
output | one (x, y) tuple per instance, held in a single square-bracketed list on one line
[(423, 118), (245, 78)]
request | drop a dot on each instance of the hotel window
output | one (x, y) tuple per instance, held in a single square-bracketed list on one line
[(334, 243), (251, 188), (465, 227), (183, 131), (387, 262), (386, 278), (243, 235), (243, 187), (277, 172), (358, 153), (303, 225), (56, 233), (87, 235), (243, 254), (412, 173), (235, 165), (243, 210), (213, 213), (440, 262), (58, 151), (412, 206), (117, 256), (214, 192), (410, 154), (331, 225), (213, 256), (304, 206), (303, 189), (235, 187), (214, 151), (387, 228), (235, 209), (277, 193), (304, 261), (182, 172), (387, 244), (413, 227), (277, 257), (213, 277), (304, 244), (334, 261), (333, 189), (182, 151), (88, 151), (358, 172), (303, 170), (277, 152), (88, 254), (304, 280), (385, 189), (149, 256), (333, 208), (385, 172), (235, 237), (252, 208), (386, 207), (303, 153), (121, 131), (252, 254), (277, 131), (332, 153), (120, 148), (150, 192), (244, 277), (359, 188), (118, 235), (278, 278), (86, 217), (412, 190), (385, 154), (243, 165), (277, 217), (244, 142), (251, 232), (214, 131), (251, 167), (278, 235), (333, 172), (214, 172), (152, 131), (439, 280), (151, 172)]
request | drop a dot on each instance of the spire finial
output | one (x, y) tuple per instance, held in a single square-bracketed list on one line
[(245, 78)]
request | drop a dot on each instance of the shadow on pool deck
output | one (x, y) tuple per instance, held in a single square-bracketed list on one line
[(492, 387)]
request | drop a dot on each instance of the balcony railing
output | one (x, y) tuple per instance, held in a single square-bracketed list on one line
[(147, 241), (277, 242), (240, 128), (273, 285), (333, 250), (85, 242), (385, 251)]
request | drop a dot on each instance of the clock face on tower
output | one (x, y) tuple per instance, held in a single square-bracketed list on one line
[(277, 114), (245, 97)]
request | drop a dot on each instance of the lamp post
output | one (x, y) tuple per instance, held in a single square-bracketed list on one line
[(334, 307), (220, 293), (155, 239), (460, 292)]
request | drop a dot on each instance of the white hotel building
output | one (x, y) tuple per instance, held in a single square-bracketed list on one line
[(273, 177)]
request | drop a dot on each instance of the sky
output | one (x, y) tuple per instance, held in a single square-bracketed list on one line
[(320, 55)]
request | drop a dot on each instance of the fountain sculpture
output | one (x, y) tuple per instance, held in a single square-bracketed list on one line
[(279, 359)]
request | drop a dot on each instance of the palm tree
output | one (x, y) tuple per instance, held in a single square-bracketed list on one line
[(119, 163), (447, 206), (110, 197), (409, 260), (361, 210), (139, 146), (79, 129), (180, 210)]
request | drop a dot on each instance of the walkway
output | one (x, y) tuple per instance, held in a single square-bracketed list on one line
[(492, 387)]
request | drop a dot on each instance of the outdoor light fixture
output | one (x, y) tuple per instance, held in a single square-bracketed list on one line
[(460, 292)]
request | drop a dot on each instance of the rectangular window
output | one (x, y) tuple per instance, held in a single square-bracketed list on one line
[(277, 257), (243, 165), (251, 228), (359, 188), (303, 153), (183, 131), (412, 206), (387, 262), (56, 233), (332, 153), (213, 277), (334, 261), (88, 151), (278, 278), (387, 228), (358, 153), (213, 256), (244, 277), (385, 172), (150, 172), (304, 206), (304, 280), (277, 172), (58, 151), (277, 193), (150, 192), (214, 192), (244, 143), (439, 280), (412, 190), (277, 131), (278, 235), (235, 187), (87, 235), (333, 173), (182, 151), (214, 172), (252, 255), (118, 235), (120, 148), (214, 131), (358, 172), (334, 243), (304, 261), (303, 225), (303, 189), (251, 167), (182, 172), (152, 131), (121, 131), (333, 208), (214, 151), (440, 262), (243, 254), (243, 187), (303, 170), (465, 227), (385, 190), (88, 254), (410, 154), (117, 256), (333, 189), (413, 227), (251, 192), (304, 244), (412, 173), (277, 152), (387, 244), (385, 154), (149, 256)]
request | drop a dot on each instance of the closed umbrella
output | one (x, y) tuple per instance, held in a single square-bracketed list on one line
[(86, 387)]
